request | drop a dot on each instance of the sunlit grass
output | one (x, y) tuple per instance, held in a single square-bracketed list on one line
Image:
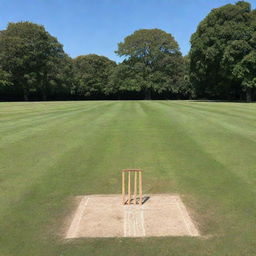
[(52, 151)]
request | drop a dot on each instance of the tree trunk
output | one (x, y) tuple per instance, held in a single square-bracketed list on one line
[(248, 94), (44, 95), (25, 94), (43, 87), (147, 94)]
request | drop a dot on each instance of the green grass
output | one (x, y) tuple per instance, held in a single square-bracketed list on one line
[(52, 151)]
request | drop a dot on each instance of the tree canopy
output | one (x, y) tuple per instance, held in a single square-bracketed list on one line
[(30, 55), (91, 74), (221, 63), (154, 60), (223, 53)]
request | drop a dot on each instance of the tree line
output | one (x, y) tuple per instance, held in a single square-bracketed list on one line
[(221, 64)]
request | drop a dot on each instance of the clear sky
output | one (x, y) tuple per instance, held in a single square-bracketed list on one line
[(96, 26)]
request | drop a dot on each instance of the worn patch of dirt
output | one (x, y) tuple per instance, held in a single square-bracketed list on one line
[(106, 216)]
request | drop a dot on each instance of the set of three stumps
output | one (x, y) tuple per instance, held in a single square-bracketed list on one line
[(136, 186), (130, 214)]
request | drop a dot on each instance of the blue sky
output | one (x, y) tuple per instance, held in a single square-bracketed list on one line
[(96, 26)]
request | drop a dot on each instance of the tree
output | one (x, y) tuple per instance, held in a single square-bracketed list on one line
[(222, 51), (91, 74), (5, 83), (29, 54), (60, 78), (185, 88), (154, 59), (5, 78), (245, 71), (124, 79)]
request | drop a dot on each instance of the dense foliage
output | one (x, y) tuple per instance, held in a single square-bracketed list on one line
[(223, 53), (92, 74), (221, 63), (154, 60), (30, 60)]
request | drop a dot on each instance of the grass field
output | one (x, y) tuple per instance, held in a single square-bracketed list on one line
[(52, 151)]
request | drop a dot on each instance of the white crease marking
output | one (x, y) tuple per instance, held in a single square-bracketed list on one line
[(73, 229), (142, 222), (134, 225), (133, 222), (125, 221), (183, 217)]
